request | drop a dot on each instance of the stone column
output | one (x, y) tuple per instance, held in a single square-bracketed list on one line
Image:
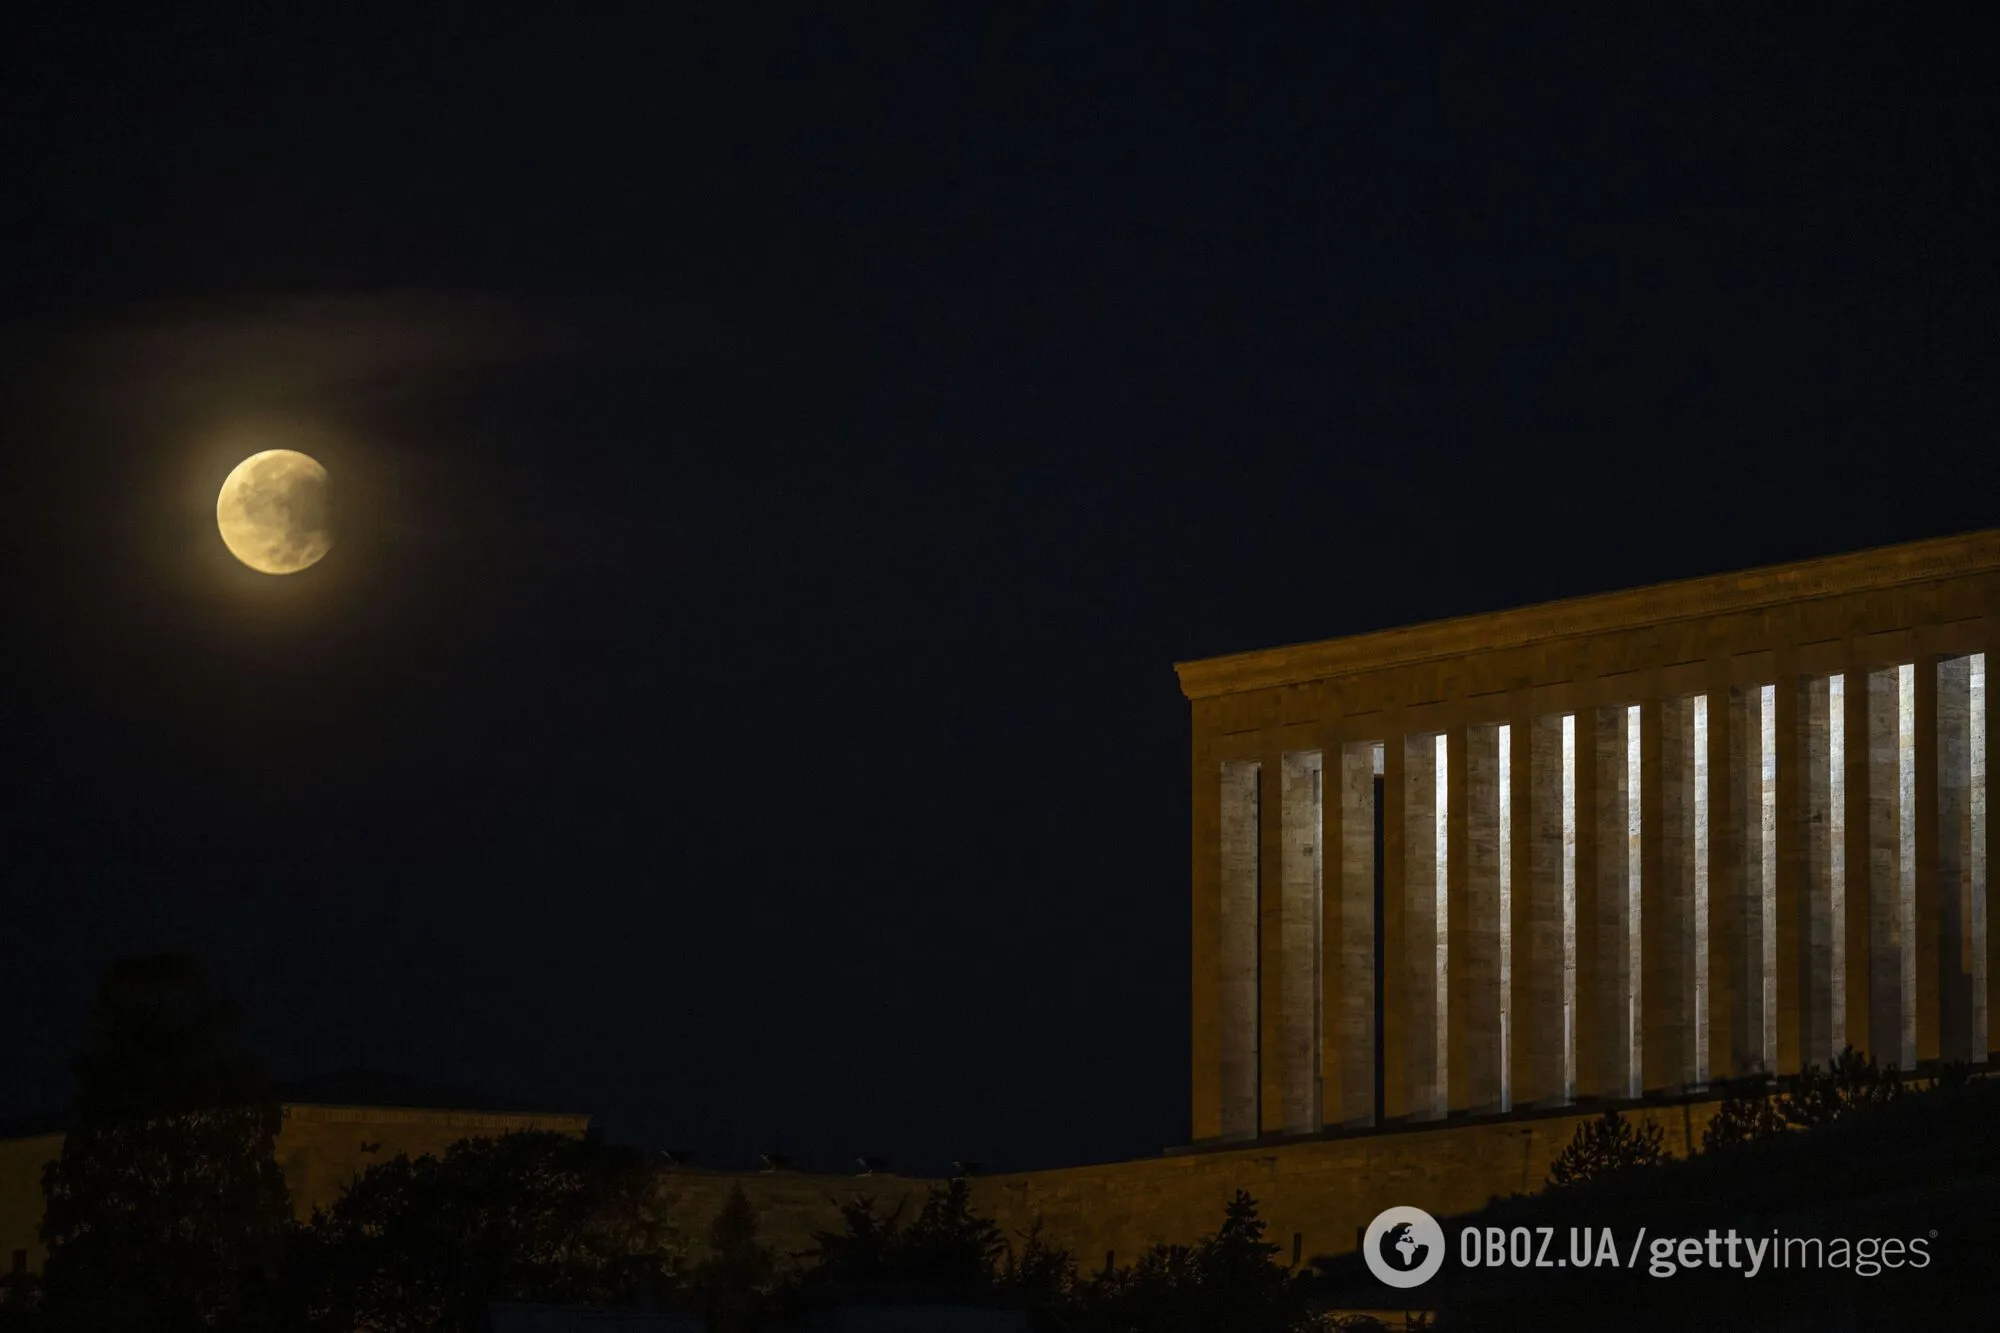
[(1755, 842), (1397, 1021), (1537, 961), (1794, 974), (1816, 1045), (1859, 932), (1954, 764), (1982, 814), (1237, 937), (1612, 821), (1883, 868), (1661, 796), (1271, 946), (1301, 949), (1667, 898), (1473, 1015), (1348, 1057), (1591, 1016), (1925, 934), (1424, 1051), (1728, 979)]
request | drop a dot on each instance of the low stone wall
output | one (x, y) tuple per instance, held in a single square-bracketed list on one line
[(324, 1148), (321, 1149), (1315, 1194)]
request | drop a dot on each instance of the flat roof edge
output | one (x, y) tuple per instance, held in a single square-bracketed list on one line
[(1520, 627)]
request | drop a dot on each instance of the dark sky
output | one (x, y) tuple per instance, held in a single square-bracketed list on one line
[(781, 461)]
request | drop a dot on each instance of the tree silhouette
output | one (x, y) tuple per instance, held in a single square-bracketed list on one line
[(1812, 1098), (1850, 1083), (734, 1285), (1225, 1283), (431, 1243), (948, 1244), (1605, 1145), (1043, 1274), (863, 1250), (1158, 1293), (946, 1247), (1744, 1118), (167, 1209), (1238, 1273)]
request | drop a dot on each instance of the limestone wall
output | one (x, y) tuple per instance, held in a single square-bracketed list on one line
[(1319, 1192), (1316, 1193), (321, 1149)]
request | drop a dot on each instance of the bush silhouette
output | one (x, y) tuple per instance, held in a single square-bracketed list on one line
[(1606, 1145)]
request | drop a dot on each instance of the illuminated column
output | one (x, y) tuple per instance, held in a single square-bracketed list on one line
[(1426, 924), (1349, 1057), (1956, 952), (1236, 990), (1476, 773), (1753, 836), (1301, 948), (1699, 873), (1572, 890), (1663, 806), (1888, 885), (1591, 1001), (1727, 977), (1615, 822), (1824, 906), (1907, 839), (1540, 967), (1836, 865), (1635, 828), (1791, 967), (1674, 838), (1395, 1019), (1767, 889), (1926, 908), (1983, 765), (1271, 948), (1858, 737)]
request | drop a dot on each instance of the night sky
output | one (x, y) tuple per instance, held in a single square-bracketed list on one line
[(780, 462)]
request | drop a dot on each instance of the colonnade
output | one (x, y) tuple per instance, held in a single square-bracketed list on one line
[(1601, 901)]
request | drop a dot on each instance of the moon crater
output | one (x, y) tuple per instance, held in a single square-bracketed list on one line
[(273, 512)]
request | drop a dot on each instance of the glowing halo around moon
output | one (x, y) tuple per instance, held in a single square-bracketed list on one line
[(273, 512)]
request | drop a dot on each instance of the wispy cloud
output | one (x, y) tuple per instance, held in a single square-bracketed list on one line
[(287, 350)]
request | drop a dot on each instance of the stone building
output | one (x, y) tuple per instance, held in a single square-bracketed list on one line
[(1457, 885), (1616, 845)]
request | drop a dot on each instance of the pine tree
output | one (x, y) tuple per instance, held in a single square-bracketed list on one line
[(735, 1282), (1750, 1117), (1605, 1145)]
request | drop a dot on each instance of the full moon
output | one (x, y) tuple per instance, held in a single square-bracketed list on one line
[(272, 512)]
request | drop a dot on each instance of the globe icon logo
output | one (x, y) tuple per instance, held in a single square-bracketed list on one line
[(1403, 1246)]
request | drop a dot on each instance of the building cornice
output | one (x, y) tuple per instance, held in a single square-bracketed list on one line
[(1686, 599)]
